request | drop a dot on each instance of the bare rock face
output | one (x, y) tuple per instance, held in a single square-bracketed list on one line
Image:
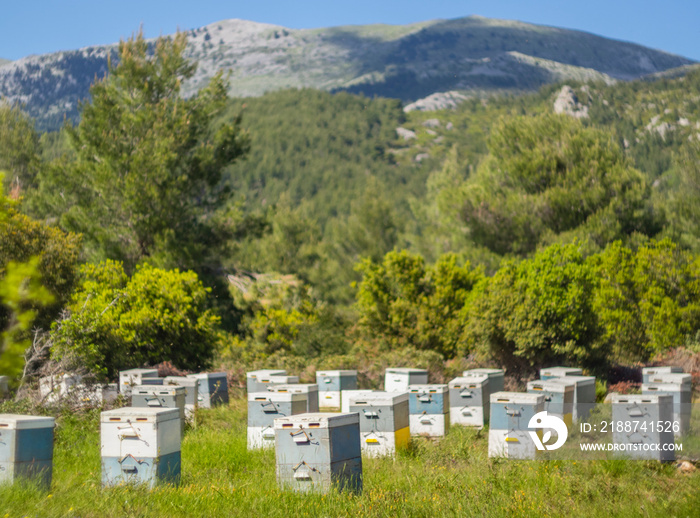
[(405, 134), (437, 101), (568, 104)]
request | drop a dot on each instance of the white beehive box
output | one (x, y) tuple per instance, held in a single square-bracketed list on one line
[(254, 379), (397, 379), (140, 445)]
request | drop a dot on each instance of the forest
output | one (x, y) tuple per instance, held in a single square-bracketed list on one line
[(300, 229)]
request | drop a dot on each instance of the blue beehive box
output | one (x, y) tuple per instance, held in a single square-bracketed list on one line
[(26, 448), (212, 389), (558, 396), (140, 446), (264, 408), (428, 399), (254, 379), (513, 410), (496, 377), (649, 372), (315, 452)]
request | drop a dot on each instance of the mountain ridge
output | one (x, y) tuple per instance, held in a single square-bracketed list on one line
[(408, 62)]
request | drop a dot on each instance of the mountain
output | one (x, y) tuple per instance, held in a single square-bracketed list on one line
[(407, 62)]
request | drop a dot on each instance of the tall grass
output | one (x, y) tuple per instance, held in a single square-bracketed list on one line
[(451, 477)]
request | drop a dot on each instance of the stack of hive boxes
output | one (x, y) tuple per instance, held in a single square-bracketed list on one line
[(508, 431), (26, 448), (384, 422), (140, 445), (263, 408), (639, 422), (469, 400), (429, 410), (680, 387), (331, 384), (315, 452)]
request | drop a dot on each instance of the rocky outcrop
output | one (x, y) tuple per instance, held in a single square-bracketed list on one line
[(567, 103)]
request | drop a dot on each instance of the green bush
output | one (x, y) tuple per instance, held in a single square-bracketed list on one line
[(117, 322)]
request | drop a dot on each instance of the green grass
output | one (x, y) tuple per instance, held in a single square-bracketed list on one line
[(453, 477)]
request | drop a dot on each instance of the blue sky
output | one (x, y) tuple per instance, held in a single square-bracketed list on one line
[(40, 26)]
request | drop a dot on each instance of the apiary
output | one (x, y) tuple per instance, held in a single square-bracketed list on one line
[(496, 377), (508, 430), (384, 422), (263, 408), (397, 379), (212, 389), (559, 372), (26, 448), (331, 384), (140, 446), (558, 397), (429, 410), (191, 392), (640, 424), (310, 389), (315, 452), (469, 400), (253, 379), (133, 377)]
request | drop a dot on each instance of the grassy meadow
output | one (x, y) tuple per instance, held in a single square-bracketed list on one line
[(453, 477)]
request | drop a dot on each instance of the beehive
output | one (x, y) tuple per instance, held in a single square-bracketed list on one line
[(647, 372), (639, 422), (252, 379), (429, 410), (345, 403), (496, 377), (26, 448), (584, 396), (263, 408), (310, 389), (397, 379), (508, 430), (133, 377), (680, 387), (469, 400), (558, 397), (164, 396), (191, 392), (331, 384), (56, 387), (212, 389), (94, 395), (559, 372), (315, 452), (140, 446), (384, 421)]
